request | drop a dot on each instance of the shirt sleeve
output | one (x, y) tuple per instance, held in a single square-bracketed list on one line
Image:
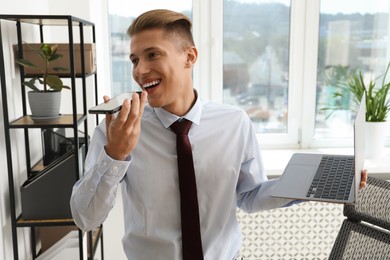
[(94, 194), (254, 188)]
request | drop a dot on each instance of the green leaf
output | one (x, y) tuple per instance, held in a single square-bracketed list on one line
[(31, 84), (27, 63), (54, 81), (60, 69), (46, 50), (55, 56)]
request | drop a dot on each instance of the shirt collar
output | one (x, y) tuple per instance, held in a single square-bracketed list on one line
[(193, 115)]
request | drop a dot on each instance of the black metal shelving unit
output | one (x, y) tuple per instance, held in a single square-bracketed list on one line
[(78, 118)]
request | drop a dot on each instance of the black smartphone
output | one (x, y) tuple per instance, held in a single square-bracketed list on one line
[(113, 105)]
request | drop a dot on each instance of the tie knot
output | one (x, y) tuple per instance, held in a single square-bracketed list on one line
[(181, 126)]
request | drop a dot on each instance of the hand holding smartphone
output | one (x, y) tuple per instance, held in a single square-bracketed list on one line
[(113, 105)]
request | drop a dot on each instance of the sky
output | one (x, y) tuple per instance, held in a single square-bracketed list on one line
[(134, 8)]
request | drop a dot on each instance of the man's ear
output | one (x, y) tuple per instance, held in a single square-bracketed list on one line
[(192, 56)]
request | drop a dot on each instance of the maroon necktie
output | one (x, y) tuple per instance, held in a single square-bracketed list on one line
[(190, 225)]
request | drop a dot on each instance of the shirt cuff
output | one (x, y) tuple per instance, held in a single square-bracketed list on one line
[(110, 167)]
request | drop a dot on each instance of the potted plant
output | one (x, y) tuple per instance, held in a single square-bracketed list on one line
[(45, 97), (377, 106)]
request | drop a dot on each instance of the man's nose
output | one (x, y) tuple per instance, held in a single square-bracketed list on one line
[(141, 68)]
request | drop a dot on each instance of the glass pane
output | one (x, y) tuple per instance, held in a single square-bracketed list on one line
[(353, 36), (121, 15), (255, 60)]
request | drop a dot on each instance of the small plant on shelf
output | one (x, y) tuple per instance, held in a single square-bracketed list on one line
[(46, 85), (50, 82)]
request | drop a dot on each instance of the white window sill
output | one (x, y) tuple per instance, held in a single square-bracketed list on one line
[(276, 159)]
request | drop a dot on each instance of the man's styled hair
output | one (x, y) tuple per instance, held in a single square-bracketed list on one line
[(176, 25)]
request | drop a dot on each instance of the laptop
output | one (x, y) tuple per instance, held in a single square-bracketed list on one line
[(326, 177)]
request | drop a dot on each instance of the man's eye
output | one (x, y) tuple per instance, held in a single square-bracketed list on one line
[(152, 55), (134, 61)]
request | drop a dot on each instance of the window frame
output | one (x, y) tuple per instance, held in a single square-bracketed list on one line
[(208, 73)]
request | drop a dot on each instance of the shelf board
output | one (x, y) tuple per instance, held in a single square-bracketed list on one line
[(62, 75), (65, 120), (59, 20), (38, 166), (20, 222)]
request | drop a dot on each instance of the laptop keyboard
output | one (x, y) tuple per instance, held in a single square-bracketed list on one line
[(333, 179)]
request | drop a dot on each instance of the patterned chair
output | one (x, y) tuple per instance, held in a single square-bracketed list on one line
[(365, 233)]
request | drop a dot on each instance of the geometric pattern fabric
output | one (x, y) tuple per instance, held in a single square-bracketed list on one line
[(303, 231)]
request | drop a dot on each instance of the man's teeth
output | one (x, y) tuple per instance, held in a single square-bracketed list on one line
[(149, 84)]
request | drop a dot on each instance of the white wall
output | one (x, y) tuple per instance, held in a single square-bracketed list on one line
[(92, 10)]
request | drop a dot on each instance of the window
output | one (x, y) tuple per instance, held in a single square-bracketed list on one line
[(256, 61), (273, 58), (351, 36)]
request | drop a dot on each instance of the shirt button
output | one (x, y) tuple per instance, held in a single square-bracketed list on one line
[(104, 163), (91, 190), (114, 171)]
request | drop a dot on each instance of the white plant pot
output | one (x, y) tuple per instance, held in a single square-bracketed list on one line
[(44, 104), (375, 139)]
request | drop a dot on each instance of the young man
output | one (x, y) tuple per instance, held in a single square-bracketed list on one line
[(137, 148)]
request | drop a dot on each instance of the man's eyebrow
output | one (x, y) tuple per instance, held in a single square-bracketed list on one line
[(144, 51), (150, 49)]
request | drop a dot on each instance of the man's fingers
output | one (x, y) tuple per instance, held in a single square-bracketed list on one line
[(123, 113), (136, 110), (124, 129), (363, 180), (106, 98), (135, 104), (144, 98), (108, 116)]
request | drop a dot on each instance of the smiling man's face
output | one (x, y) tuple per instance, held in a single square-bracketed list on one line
[(163, 69)]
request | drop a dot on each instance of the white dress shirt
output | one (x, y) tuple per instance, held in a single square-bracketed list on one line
[(229, 173)]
